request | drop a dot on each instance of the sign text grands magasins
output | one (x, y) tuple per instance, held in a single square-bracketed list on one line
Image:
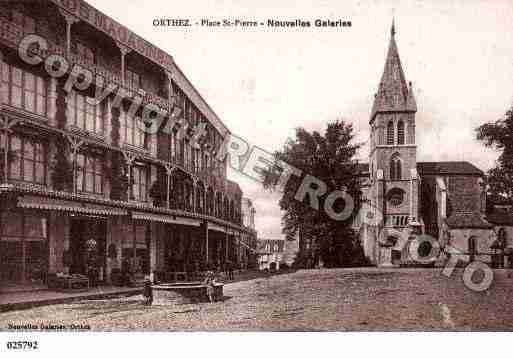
[(118, 32)]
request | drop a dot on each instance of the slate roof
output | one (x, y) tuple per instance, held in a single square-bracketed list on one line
[(393, 94), (261, 246), (437, 168), (500, 217), (448, 168), (467, 220)]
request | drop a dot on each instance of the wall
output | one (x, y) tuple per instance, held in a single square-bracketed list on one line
[(485, 237), (464, 194)]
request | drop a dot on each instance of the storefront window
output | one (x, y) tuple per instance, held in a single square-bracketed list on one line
[(135, 248), (23, 248), (141, 249)]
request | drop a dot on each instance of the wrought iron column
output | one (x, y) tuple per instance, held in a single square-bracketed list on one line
[(75, 144), (7, 125)]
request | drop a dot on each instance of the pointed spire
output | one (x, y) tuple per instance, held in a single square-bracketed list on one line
[(393, 94)]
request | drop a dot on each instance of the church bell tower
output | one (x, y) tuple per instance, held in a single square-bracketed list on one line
[(393, 163)]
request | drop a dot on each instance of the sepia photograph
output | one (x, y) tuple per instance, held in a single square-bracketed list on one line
[(235, 166)]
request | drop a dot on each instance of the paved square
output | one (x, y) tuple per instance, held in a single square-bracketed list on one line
[(317, 300)]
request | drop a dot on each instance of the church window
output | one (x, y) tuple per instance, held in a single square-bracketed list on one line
[(390, 133), (395, 167), (400, 133), (396, 197), (396, 256), (502, 238), (472, 247)]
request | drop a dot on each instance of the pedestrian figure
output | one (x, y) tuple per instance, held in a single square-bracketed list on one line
[(209, 281), (230, 271), (148, 292), (125, 272)]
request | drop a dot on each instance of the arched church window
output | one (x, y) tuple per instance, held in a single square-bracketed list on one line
[(472, 247), (502, 238), (400, 133), (395, 167), (390, 133), (396, 197)]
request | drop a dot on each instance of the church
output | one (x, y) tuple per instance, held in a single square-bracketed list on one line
[(446, 200)]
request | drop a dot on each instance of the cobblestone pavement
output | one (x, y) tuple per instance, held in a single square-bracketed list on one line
[(313, 300)]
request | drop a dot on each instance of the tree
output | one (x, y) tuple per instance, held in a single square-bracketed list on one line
[(328, 157), (499, 135)]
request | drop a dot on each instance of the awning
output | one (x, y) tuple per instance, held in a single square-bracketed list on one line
[(216, 227), (50, 204), (164, 218)]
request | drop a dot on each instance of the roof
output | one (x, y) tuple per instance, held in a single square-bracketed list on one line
[(262, 243), (436, 168), (393, 94), (500, 217), (448, 168), (29, 189), (467, 220)]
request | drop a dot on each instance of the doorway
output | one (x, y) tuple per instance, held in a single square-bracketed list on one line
[(23, 248), (87, 252)]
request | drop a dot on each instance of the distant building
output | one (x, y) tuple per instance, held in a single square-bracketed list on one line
[(248, 213), (270, 253), (248, 253)]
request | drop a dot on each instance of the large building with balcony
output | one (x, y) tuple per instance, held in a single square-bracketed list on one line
[(84, 183)]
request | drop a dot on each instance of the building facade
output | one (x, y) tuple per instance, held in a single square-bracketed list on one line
[(406, 198), (83, 182), (248, 221), (248, 213), (270, 254)]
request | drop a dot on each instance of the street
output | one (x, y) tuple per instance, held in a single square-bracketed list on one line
[(308, 300)]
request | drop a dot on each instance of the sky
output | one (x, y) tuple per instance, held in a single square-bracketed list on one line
[(263, 83)]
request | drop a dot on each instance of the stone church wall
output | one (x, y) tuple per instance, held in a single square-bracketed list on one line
[(464, 194)]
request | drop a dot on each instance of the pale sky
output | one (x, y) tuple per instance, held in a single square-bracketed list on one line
[(263, 82)]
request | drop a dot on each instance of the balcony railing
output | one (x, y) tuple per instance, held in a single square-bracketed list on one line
[(12, 34)]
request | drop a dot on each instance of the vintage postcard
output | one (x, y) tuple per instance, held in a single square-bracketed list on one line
[(255, 166)]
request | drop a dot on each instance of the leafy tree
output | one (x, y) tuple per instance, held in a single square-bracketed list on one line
[(499, 135), (328, 157)]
